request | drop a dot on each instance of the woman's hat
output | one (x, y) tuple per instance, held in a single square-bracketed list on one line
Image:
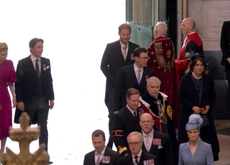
[(194, 122), (3, 46), (192, 55)]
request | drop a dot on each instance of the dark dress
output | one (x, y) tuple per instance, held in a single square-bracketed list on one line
[(189, 97), (7, 74)]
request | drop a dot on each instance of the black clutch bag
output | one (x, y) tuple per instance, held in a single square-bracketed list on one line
[(205, 121)]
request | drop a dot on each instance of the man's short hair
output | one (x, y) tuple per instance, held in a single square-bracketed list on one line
[(34, 41), (98, 133), (136, 133), (132, 91), (138, 51), (124, 26), (153, 79)]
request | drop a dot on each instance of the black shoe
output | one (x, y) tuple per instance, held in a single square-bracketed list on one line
[(50, 162)]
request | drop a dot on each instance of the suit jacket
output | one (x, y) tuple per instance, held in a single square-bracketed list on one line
[(114, 158), (111, 63), (225, 43), (128, 160), (189, 97), (126, 79), (26, 76), (202, 156), (163, 152), (124, 124)]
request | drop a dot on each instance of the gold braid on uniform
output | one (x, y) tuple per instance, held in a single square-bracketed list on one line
[(116, 133), (162, 111), (120, 150)]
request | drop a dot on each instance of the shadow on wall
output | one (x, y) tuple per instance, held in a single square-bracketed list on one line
[(216, 71)]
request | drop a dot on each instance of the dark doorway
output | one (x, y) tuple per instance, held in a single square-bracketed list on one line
[(172, 22)]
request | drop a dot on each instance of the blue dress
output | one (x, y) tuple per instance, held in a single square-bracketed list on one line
[(202, 156)]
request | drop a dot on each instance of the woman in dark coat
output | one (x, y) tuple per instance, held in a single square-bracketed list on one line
[(197, 95)]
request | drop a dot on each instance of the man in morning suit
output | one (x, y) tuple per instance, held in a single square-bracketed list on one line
[(126, 121), (102, 154), (137, 155), (116, 55), (156, 142), (34, 88), (132, 76), (225, 48)]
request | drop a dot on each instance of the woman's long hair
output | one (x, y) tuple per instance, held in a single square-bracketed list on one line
[(193, 63)]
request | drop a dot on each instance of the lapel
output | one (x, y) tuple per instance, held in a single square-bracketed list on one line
[(154, 148), (119, 53), (145, 76), (30, 68), (129, 115), (129, 54), (133, 75)]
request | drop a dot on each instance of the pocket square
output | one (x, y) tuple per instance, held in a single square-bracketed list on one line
[(160, 147)]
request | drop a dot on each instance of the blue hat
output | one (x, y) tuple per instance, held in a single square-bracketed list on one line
[(194, 122), (193, 55)]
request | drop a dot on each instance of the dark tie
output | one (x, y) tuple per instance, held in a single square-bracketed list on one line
[(124, 52), (37, 67), (135, 113), (136, 159)]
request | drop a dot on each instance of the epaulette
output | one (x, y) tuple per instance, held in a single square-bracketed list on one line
[(120, 150), (116, 133)]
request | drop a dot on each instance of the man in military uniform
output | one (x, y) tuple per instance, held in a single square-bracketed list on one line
[(126, 121)]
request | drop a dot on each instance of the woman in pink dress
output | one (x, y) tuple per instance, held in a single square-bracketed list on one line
[(7, 78)]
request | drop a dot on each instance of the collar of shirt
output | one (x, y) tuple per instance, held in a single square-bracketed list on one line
[(102, 152), (150, 134), (136, 68), (139, 155), (34, 58), (132, 111), (122, 45)]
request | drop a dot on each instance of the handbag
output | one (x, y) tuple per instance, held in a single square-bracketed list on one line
[(205, 121)]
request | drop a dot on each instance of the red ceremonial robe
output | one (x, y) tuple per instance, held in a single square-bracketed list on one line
[(162, 57)]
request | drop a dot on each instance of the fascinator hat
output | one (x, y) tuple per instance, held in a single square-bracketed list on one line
[(192, 55), (3, 46), (194, 122)]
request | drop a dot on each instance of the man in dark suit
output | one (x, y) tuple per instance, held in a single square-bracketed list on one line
[(102, 154), (34, 88), (132, 76), (127, 121), (116, 55), (225, 48), (137, 155), (156, 142)]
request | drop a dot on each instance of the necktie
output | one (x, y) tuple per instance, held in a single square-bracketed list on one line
[(37, 67), (147, 142), (135, 113), (98, 158), (124, 52), (138, 76), (136, 159)]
